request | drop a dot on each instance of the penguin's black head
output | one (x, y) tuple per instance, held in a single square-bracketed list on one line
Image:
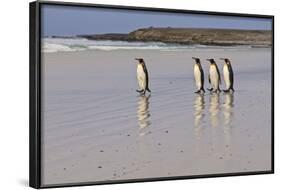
[(140, 60), (226, 60), (211, 61), (196, 59)]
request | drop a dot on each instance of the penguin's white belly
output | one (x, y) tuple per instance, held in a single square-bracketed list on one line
[(197, 76), (226, 76), (214, 77), (141, 77)]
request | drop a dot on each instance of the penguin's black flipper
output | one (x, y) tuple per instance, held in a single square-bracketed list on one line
[(140, 91), (197, 92), (218, 71)]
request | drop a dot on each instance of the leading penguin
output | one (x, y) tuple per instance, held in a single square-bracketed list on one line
[(228, 75), (198, 75), (142, 76), (214, 76)]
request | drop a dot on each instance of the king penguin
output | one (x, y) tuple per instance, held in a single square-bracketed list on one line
[(228, 75), (198, 75), (214, 76), (142, 76)]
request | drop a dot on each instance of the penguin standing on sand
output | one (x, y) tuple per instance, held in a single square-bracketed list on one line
[(198, 75), (142, 76), (228, 75), (214, 76)]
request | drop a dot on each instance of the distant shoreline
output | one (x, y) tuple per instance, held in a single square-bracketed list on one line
[(187, 36)]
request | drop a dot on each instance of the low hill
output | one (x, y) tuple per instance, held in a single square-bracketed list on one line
[(192, 36)]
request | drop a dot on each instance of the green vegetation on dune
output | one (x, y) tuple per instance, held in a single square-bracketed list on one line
[(191, 36)]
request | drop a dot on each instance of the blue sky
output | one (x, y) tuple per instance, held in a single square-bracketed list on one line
[(68, 20)]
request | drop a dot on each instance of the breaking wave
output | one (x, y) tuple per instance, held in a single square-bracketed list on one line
[(50, 45)]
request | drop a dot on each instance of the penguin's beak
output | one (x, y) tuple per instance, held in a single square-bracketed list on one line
[(194, 58), (137, 59)]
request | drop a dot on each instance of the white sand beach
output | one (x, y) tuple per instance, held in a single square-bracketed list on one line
[(96, 127)]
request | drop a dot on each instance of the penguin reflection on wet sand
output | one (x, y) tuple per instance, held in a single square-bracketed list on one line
[(198, 75), (214, 109), (199, 105), (228, 75), (214, 76), (143, 113), (228, 109), (142, 76)]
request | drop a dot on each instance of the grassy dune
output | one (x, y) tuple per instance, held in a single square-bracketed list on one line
[(192, 36)]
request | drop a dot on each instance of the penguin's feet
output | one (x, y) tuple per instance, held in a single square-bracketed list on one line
[(210, 89), (217, 91), (198, 91), (140, 91), (226, 91)]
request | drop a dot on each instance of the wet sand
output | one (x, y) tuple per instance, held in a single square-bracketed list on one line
[(96, 127)]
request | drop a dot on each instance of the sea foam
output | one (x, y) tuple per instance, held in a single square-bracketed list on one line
[(51, 45)]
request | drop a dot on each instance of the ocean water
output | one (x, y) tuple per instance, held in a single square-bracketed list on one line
[(51, 45)]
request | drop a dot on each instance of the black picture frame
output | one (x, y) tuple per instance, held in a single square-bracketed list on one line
[(35, 93)]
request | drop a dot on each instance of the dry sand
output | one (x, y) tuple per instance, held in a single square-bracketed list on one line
[(96, 127)]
